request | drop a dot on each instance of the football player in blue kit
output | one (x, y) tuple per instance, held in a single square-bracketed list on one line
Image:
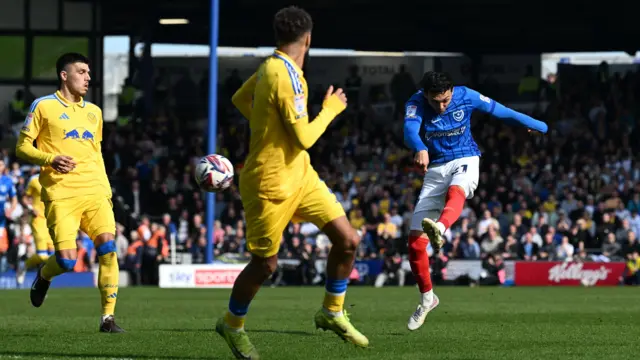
[(450, 159)]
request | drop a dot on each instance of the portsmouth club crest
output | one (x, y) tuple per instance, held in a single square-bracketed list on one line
[(458, 115)]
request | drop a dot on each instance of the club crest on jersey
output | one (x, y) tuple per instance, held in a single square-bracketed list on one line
[(79, 134), (411, 111), (92, 118), (27, 122), (299, 103), (458, 115)]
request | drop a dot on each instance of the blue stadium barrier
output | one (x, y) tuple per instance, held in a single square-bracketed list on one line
[(68, 280), (369, 268)]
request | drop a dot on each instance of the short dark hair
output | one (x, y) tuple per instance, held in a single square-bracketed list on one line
[(290, 24), (68, 59), (436, 82)]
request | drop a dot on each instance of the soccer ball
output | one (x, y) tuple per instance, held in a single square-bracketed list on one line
[(214, 173)]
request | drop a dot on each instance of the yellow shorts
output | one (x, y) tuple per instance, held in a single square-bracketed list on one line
[(91, 214), (41, 235), (267, 219)]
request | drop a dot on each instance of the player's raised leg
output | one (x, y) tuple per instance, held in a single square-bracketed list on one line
[(99, 223), (464, 175), (63, 220), (453, 208)]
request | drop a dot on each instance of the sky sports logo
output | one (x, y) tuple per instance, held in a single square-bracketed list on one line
[(181, 277), (215, 277)]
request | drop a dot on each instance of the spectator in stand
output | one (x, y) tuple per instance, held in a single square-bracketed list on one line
[(548, 251), (632, 276), (494, 272), (391, 269)]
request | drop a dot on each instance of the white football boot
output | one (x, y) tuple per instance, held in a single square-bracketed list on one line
[(417, 319)]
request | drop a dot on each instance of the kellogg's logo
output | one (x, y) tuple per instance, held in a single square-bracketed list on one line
[(555, 273), (575, 271)]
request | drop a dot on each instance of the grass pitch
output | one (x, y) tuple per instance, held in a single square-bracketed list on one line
[(470, 323)]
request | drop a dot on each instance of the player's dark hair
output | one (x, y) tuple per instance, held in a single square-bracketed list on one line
[(290, 24), (436, 82), (68, 59)]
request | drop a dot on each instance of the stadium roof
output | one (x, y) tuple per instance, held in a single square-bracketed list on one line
[(489, 26)]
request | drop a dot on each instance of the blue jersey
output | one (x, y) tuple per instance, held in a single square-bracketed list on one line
[(7, 192), (447, 136)]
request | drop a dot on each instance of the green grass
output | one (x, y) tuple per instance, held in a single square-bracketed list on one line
[(470, 323)]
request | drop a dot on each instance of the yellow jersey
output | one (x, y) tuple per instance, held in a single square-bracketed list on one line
[(60, 127), (274, 100), (33, 190)]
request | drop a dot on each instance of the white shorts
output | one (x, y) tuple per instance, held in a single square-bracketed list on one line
[(463, 172)]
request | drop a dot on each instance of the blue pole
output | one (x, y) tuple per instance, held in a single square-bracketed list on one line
[(213, 120)]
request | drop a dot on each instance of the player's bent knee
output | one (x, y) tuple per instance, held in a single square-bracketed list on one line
[(352, 241), (103, 238), (342, 235), (66, 264), (106, 248), (267, 266)]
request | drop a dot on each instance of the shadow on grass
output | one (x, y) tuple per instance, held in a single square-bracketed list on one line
[(249, 331)]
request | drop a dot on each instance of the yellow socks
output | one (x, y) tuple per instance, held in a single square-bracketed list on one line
[(108, 277), (35, 260), (334, 296), (56, 266), (234, 318)]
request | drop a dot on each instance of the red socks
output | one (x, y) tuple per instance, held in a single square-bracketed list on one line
[(453, 207), (419, 260), (418, 257)]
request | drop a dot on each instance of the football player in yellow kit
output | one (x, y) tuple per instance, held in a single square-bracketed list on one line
[(42, 239), (75, 188), (278, 183)]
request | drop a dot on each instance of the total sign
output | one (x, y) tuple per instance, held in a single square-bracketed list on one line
[(199, 276)]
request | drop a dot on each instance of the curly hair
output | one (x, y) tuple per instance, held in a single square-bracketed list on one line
[(290, 24), (436, 82)]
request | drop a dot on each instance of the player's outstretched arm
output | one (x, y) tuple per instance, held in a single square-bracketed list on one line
[(242, 99), (500, 111), (293, 108)]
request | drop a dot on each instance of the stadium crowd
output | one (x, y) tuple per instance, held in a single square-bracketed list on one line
[(572, 194)]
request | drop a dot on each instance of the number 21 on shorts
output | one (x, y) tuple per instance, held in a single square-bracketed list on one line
[(460, 170)]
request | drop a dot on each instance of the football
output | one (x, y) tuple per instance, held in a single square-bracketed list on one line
[(214, 173)]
